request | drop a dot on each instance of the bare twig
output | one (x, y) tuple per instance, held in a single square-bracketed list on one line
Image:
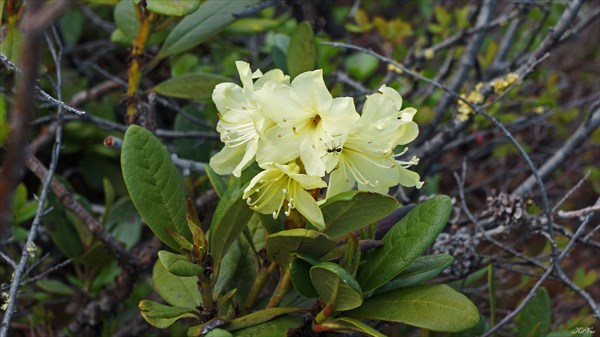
[(581, 134), (580, 212), (29, 248)]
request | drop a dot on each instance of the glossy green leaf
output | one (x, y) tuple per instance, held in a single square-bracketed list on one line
[(279, 51), (281, 245), (423, 269), (172, 7), (302, 51), (536, 317), (433, 307), (209, 19), (163, 316), (195, 86), (154, 184), (347, 324), (406, 241), (300, 276), (175, 290), (336, 286), (349, 211), (259, 317), (275, 327), (230, 219), (177, 264)]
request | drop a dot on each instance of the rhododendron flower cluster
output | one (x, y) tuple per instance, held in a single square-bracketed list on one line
[(299, 135)]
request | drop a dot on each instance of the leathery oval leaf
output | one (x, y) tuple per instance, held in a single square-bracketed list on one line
[(423, 269), (404, 242), (275, 327), (336, 286), (281, 245), (172, 7), (352, 210), (175, 290), (163, 316), (300, 275), (259, 317), (433, 307), (231, 217), (154, 184), (177, 264)]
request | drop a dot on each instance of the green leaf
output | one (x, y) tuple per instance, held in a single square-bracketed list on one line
[(218, 333), (55, 287), (178, 265), (276, 327), (124, 17), (281, 245), (230, 219), (336, 286), (433, 307), (302, 51), (12, 43), (172, 7), (535, 318), (423, 269), (154, 184), (124, 222), (163, 316), (406, 241), (279, 51), (351, 258), (259, 317), (255, 25), (229, 266), (175, 290), (300, 276), (209, 19), (361, 65), (347, 324), (349, 211), (219, 183), (196, 86)]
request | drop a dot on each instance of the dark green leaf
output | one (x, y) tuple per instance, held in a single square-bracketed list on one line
[(300, 275), (276, 327), (219, 183), (172, 7), (281, 245), (209, 19), (349, 211), (230, 219), (279, 51), (175, 290), (433, 307), (347, 324), (406, 241), (302, 51), (258, 317), (124, 222), (196, 86), (336, 286), (536, 317), (423, 269), (177, 264), (154, 184), (163, 316), (229, 266)]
